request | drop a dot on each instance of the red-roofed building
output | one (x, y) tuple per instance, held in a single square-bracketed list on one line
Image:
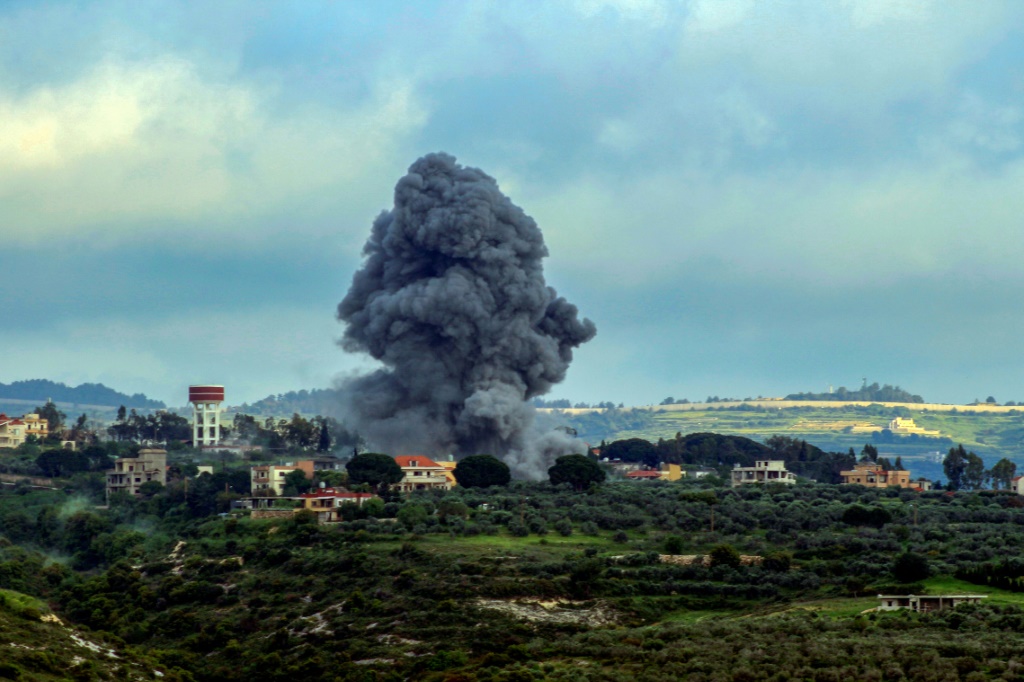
[(14, 430), (326, 501), (644, 475), (421, 473)]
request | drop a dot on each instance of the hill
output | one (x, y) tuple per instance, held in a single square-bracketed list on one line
[(96, 395), (873, 393), (319, 401), (993, 432)]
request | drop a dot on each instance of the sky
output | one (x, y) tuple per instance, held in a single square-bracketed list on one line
[(747, 198)]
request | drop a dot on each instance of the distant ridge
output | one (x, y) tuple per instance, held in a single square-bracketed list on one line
[(874, 393), (322, 401), (41, 390)]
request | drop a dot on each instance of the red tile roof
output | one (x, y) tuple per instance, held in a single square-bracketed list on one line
[(644, 474), (418, 461)]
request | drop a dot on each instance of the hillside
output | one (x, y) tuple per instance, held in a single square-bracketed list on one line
[(38, 391), (993, 432), (525, 583), (36, 645)]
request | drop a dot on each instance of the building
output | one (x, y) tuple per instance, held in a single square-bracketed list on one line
[(130, 473), (926, 602), (326, 501), (906, 426), (206, 400), (270, 477), (667, 472), (644, 475), (14, 430), (421, 473), (763, 471), (1017, 485), (449, 470), (310, 467), (870, 476)]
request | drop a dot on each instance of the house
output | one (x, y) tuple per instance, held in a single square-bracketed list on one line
[(763, 471), (311, 466), (449, 469), (270, 477), (644, 475), (901, 425), (922, 484), (870, 475), (926, 602), (14, 430), (130, 473), (667, 472), (1017, 485), (421, 473), (326, 501), (702, 472)]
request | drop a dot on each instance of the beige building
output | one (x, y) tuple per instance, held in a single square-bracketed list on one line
[(763, 471), (926, 602), (906, 426), (421, 473), (269, 478), (14, 430), (325, 502), (129, 473), (870, 476)]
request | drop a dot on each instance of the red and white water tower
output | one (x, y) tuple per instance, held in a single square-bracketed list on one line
[(206, 402)]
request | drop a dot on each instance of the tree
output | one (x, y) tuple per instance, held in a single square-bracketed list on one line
[(324, 439), (54, 418), (1002, 474), (724, 555), (374, 469), (869, 453), (54, 463), (578, 470), (296, 483), (632, 450), (481, 471), (910, 568), (954, 466), (974, 472), (299, 432)]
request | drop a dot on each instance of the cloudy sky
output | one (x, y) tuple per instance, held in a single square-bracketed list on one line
[(748, 198)]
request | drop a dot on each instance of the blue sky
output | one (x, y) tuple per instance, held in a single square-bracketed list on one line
[(748, 198)]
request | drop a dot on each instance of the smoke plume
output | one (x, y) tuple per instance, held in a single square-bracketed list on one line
[(452, 300)]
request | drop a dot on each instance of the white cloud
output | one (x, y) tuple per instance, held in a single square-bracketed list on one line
[(833, 226), (136, 144)]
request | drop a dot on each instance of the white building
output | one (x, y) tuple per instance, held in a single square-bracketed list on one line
[(763, 471)]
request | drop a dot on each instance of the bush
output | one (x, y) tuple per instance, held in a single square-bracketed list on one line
[(724, 555)]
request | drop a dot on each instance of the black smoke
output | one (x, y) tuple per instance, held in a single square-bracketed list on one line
[(452, 301)]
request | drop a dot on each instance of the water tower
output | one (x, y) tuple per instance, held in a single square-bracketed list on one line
[(206, 402)]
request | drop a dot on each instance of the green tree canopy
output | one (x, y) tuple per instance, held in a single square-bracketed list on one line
[(374, 469), (1002, 473), (481, 471), (578, 470), (954, 466), (910, 568), (632, 450)]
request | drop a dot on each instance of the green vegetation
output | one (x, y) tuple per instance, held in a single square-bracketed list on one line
[(528, 581)]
